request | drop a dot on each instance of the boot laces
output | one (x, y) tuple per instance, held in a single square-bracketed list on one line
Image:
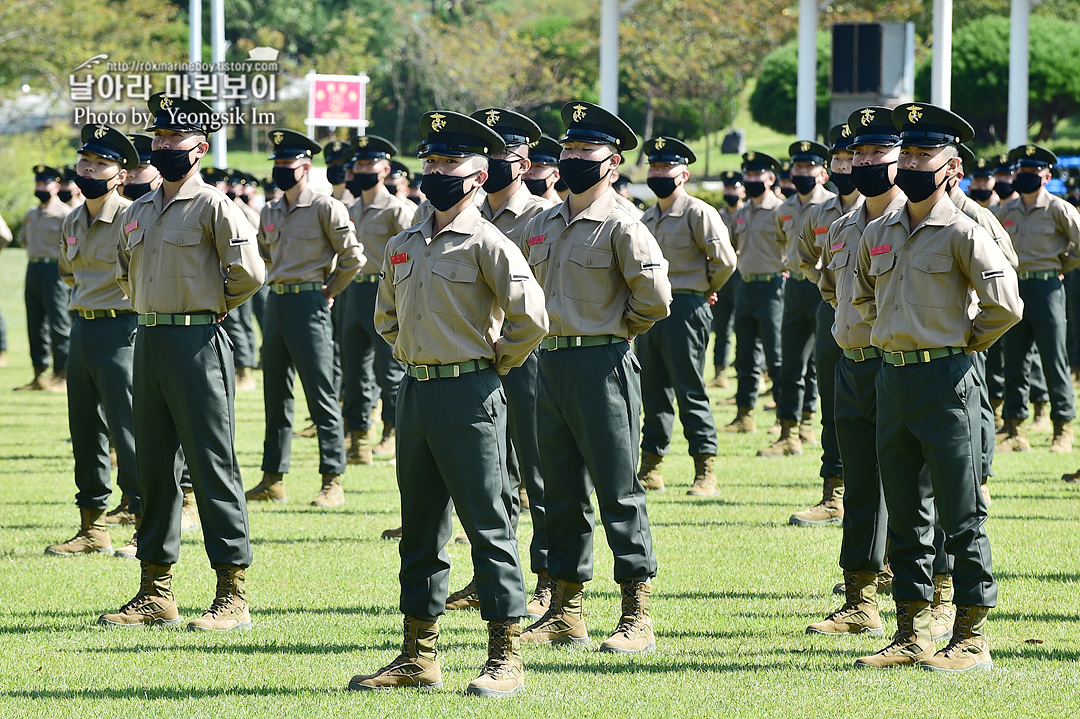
[(499, 651), (631, 609), (543, 591)]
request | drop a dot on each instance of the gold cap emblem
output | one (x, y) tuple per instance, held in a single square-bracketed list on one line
[(278, 137), (845, 131), (492, 117), (38, 169), (750, 156), (659, 144), (101, 131), (579, 113), (362, 142), (1029, 150), (166, 102), (867, 116), (335, 146), (438, 121), (914, 113), (804, 146), (981, 163)]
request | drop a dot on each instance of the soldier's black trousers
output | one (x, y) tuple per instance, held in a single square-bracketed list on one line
[(368, 368), (588, 409), (930, 413), (240, 324), (672, 355), (298, 339), (723, 313), (1043, 325), (759, 307), (183, 386), (523, 463), (827, 355), (798, 375), (451, 443), (48, 322), (102, 352)]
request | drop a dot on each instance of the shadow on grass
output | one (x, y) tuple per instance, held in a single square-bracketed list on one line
[(1054, 577), (174, 693), (1039, 652), (1033, 517), (257, 540), (231, 648), (1027, 616), (713, 523)]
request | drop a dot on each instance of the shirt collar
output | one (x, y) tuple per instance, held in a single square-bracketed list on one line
[(515, 205), (598, 211), (464, 224), (940, 215)]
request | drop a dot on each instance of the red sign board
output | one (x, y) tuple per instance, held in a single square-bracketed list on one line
[(337, 100)]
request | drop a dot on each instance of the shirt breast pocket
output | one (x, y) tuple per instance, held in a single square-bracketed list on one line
[(882, 265), (134, 238), (451, 290), (588, 281), (184, 258), (839, 260), (72, 250), (930, 283), (538, 254)]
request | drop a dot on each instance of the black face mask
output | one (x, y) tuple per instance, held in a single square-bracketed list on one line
[(285, 177), (788, 191), (135, 190), (172, 164), (754, 189), (1027, 182), (919, 185), (872, 180), (661, 186), (560, 185), (362, 181), (804, 184), (1003, 189), (445, 191), (245, 199), (231, 194), (581, 175), (335, 174), (500, 175), (980, 195), (843, 182), (1073, 200), (91, 188), (537, 187), (45, 195), (731, 200)]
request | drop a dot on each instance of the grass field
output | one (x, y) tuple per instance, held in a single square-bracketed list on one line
[(736, 588)]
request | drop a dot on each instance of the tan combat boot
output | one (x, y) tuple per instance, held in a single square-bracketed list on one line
[(829, 510), (58, 381), (331, 494), (910, 645), (1040, 418), (984, 488), (942, 609), (360, 451), (122, 514), (649, 472), (564, 621), (271, 488), (308, 432), (388, 443), (541, 598), (523, 498), (245, 380), (152, 606), (860, 611), (968, 650), (704, 478), (394, 533), (743, 422), (1063, 437), (416, 666), (999, 422), (40, 382), (464, 598), (503, 675), (806, 428), (189, 512), (92, 537), (131, 549), (719, 380), (1014, 439), (1073, 478), (634, 633), (229, 609), (788, 445)]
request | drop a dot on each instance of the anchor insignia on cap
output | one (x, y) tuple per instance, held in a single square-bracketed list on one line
[(867, 117), (492, 117), (660, 142), (1029, 150), (914, 113), (579, 113), (804, 146), (166, 103), (438, 121), (278, 137), (845, 131), (362, 142), (101, 131)]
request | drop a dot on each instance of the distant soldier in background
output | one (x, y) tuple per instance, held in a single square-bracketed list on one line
[(337, 153), (723, 310), (543, 173)]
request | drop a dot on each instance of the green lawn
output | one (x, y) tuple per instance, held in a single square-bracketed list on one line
[(736, 588)]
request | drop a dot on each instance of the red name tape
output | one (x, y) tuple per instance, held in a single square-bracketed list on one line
[(740, 220), (268, 228), (398, 259), (1008, 223), (785, 218), (879, 250), (131, 226), (837, 247), (71, 240), (536, 240), (820, 230)]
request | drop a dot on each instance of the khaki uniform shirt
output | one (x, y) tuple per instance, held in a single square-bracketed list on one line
[(250, 213), (515, 214), (88, 262), (40, 233), (758, 239), (5, 233), (728, 216), (602, 271), (312, 241), (988, 221), (1046, 235), (814, 238), (196, 254), (465, 293), (695, 243), (837, 279), (423, 211), (375, 223), (628, 205), (791, 218), (915, 287)]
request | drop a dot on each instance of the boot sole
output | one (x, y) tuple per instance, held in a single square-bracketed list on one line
[(779, 456), (107, 552), (492, 693), (979, 667), (650, 647), (702, 494), (239, 627), (124, 555), (154, 624), (562, 642), (275, 500), (864, 630), (807, 523), (420, 686)]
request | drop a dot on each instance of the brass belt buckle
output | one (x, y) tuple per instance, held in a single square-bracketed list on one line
[(903, 360), (151, 319), (87, 314), (427, 373), (862, 354), (277, 288)]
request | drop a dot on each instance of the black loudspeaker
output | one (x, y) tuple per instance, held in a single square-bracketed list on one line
[(856, 58)]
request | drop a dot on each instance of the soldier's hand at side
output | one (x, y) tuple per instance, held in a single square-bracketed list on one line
[(712, 299), (329, 297)]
